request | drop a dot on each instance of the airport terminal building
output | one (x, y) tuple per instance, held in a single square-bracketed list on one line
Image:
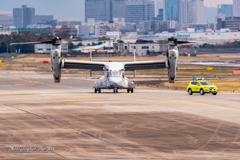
[(224, 34), (47, 48)]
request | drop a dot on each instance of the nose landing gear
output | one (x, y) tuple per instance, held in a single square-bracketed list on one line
[(115, 90)]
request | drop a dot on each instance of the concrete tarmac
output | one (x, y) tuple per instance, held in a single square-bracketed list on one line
[(69, 121)]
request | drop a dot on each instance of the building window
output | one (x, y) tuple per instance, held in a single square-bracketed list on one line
[(152, 47), (145, 47), (125, 47), (40, 49)]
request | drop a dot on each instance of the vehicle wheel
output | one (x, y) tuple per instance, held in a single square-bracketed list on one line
[(99, 90), (127, 90), (190, 92), (214, 94), (95, 90), (132, 90), (202, 92)]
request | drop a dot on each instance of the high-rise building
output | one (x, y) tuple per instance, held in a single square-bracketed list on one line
[(233, 23), (183, 11), (236, 8), (98, 9), (47, 20), (43, 18), (141, 10), (118, 8), (6, 18), (159, 16), (226, 9), (23, 16), (195, 11), (71, 22), (171, 7), (156, 7)]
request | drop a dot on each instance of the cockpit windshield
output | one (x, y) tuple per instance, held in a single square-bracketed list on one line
[(205, 83), (114, 74)]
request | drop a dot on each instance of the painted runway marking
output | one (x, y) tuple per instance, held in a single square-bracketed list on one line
[(23, 84), (69, 100), (103, 99), (190, 102), (85, 96)]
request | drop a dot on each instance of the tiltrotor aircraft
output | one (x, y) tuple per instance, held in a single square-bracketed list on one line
[(113, 71)]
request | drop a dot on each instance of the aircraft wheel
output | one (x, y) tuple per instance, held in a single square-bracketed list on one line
[(202, 92), (95, 90), (114, 91), (214, 94), (127, 90), (132, 90), (190, 92), (99, 90)]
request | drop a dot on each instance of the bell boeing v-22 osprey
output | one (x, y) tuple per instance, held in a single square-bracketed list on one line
[(113, 71)]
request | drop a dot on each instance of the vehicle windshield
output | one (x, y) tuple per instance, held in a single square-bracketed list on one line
[(205, 83), (114, 73)]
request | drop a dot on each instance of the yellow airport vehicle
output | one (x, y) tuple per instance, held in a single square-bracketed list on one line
[(209, 68), (2, 62), (199, 85)]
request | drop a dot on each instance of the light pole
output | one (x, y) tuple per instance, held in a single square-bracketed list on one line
[(7, 47), (11, 42), (90, 60), (186, 49), (134, 55)]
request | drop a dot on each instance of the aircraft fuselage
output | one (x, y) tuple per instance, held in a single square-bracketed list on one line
[(114, 78)]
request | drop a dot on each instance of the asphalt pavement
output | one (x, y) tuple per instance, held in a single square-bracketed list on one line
[(43, 120)]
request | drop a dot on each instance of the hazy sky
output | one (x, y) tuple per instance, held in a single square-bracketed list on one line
[(58, 8), (66, 8), (214, 3)]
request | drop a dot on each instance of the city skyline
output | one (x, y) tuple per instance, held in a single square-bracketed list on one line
[(70, 8)]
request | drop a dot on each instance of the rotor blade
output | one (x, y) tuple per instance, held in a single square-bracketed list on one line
[(183, 42), (43, 42), (68, 40)]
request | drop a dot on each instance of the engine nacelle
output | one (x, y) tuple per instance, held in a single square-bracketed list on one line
[(172, 56), (56, 59)]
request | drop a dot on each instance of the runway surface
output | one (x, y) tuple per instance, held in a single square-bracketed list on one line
[(76, 123)]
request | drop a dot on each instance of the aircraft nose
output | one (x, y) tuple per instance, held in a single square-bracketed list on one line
[(115, 81)]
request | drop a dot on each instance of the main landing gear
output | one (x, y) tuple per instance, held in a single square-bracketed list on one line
[(130, 90), (97, 90)]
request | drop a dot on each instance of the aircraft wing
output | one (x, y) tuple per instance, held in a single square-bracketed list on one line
[(40, 42), (145, 65), (94, 66)]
